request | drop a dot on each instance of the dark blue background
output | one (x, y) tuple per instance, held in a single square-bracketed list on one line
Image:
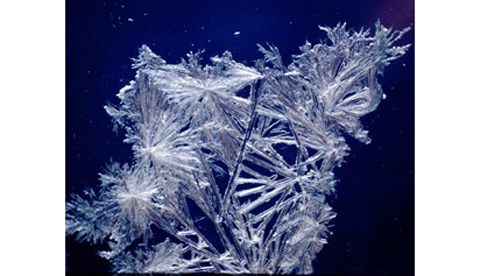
[(374, 229)]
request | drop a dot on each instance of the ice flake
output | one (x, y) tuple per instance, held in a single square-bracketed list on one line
[(235, 162)]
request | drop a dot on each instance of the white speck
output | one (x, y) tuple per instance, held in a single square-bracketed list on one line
[(145, 14), (131, 20), (384, 96), (291, 22), (404, 64), (237, 33), (209, 41), (203, 28), (185, 31)]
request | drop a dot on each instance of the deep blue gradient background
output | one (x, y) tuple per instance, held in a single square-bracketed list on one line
[(374, 229)]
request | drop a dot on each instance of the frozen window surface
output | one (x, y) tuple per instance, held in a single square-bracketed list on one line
[(234, 163)]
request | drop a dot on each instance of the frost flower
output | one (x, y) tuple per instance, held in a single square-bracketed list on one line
[(233, 165)]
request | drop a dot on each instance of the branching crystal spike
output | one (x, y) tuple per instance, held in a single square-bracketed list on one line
[(233, 162)]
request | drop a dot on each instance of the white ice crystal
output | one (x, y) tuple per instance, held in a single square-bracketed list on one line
[(249, 151)]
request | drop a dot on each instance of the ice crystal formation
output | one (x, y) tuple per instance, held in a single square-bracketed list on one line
[(233, 164)]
